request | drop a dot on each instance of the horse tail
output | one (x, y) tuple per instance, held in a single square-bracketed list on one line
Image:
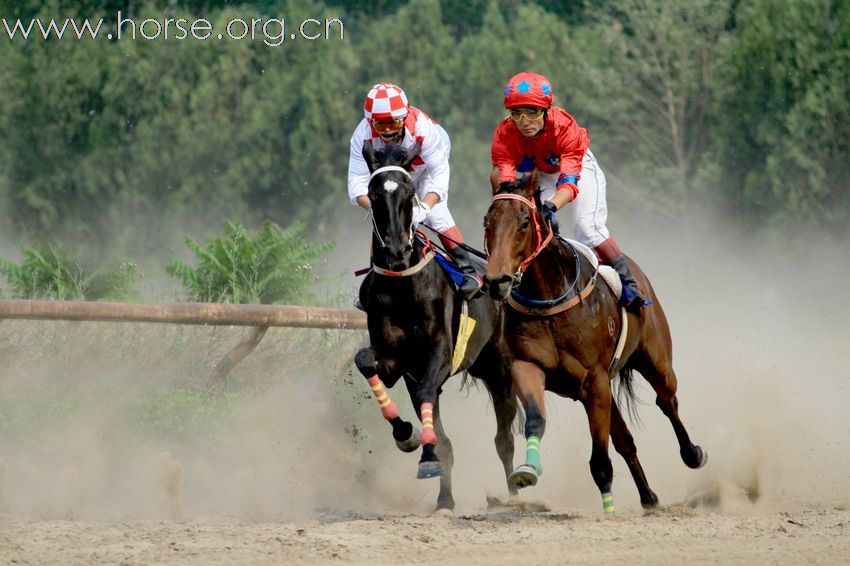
[(626, 397)]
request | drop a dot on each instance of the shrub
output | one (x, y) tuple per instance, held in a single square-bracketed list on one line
[(270, 265)]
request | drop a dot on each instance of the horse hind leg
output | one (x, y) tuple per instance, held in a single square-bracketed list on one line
[(662, 378), (406, 436), (505, 407), (624, 443), (445, 460)]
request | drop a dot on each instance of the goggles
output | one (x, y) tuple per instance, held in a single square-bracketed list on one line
[(387, 125), (530, 114)]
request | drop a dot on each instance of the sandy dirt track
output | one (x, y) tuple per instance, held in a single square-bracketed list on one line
[(107, 456), (669, 536)]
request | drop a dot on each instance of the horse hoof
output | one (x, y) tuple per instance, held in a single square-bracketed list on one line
[(411, 443), (430, 469), (523, 476), (650, 501), (696, 458)]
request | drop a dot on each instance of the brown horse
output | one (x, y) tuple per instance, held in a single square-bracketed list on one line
[(563, 328)]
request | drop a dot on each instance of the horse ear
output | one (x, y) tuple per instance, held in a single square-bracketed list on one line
[(530, 183), (369, 155), (411, 154)]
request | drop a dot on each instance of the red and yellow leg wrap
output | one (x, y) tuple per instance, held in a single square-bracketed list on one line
[(428, 434), (388, 408)]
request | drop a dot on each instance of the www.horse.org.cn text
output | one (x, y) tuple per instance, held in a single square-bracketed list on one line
[(273, 32)]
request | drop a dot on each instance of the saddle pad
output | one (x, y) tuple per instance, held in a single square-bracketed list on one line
[(606, 271)]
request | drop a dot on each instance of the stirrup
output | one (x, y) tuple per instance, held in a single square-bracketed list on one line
[(632, 300), (471, 288)]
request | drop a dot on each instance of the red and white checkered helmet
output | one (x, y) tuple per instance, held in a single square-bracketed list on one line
[(385, 102)]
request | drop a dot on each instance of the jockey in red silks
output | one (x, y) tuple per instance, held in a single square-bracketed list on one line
[(388, 118), (540, 136)]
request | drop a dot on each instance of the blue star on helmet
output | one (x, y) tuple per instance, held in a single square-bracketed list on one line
[(547, 90), (524, 86), (526, 165)]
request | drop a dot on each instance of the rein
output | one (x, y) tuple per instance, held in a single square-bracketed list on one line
[(545, 307)]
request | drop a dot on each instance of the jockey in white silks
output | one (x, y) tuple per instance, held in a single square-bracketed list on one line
[(388, 118)]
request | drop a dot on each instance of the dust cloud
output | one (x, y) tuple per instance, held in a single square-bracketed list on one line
[(109, 422)]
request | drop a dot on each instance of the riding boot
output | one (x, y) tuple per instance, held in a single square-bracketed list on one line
[(631, 297), (472, 282)]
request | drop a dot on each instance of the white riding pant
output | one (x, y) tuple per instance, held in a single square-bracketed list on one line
[(590, 210)]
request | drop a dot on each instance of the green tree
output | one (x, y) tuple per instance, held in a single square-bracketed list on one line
[(782, 137), (645, 72)]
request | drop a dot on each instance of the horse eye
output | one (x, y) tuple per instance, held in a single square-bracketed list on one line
[(523, 225)]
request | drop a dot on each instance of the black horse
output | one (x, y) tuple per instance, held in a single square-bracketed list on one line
[(420, 331)]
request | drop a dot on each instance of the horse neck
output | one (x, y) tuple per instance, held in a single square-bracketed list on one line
[(551, 272)]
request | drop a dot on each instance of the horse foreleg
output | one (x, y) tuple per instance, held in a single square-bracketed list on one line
[(530, 383), (405, 435), (596, 398), (624, 443)]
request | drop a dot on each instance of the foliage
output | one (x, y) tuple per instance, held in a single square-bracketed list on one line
[(784, 113), (49, 272), (270, 265), (740, 101)]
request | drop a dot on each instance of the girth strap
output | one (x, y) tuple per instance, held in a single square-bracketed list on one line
[(621, 341)]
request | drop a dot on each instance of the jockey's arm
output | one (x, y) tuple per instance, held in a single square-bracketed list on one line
[(560, 198), (431, 199)]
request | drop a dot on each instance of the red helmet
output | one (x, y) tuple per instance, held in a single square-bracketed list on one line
[(528, 90), (385, 102)]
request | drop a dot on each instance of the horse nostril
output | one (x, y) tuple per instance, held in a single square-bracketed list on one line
[(408, 248), (499, 287)]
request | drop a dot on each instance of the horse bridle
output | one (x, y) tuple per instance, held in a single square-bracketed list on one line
[(428, 252), (535, 220), (376, 172), (546, 307)]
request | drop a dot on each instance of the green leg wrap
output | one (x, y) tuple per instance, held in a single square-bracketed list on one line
[(608, 503), (532, 453)]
